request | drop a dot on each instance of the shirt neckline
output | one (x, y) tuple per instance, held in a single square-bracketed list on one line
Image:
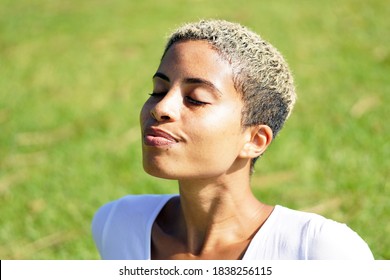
[(250, 250), (253, 246)]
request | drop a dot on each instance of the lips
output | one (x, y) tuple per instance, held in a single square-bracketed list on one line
[(158, 137)]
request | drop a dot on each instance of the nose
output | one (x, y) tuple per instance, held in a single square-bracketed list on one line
[(167, 108)]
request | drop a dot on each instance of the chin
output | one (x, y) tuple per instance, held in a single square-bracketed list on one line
[(162, 173), (175, 174)]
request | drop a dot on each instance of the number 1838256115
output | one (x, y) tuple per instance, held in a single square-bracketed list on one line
[(242, 270)]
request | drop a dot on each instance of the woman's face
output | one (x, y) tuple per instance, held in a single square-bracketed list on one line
[(191, 124)]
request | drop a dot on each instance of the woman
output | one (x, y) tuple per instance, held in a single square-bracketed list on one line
[(221, 94)]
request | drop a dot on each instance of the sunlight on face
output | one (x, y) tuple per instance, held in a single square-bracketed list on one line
[(191, 124)]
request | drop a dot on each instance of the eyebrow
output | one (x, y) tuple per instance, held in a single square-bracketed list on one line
[(204, 82), (161, 76)]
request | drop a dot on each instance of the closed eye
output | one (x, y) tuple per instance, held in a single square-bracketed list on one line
[(188, 99), (157, 94), (194, 101)]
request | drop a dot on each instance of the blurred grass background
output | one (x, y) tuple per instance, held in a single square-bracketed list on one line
[(74, 74)]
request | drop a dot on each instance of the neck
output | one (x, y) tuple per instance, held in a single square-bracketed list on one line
[(215, 212)]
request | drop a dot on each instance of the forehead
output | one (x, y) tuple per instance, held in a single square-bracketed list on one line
[(196, 58)]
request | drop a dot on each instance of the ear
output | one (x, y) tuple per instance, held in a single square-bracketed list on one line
[(257, 140)]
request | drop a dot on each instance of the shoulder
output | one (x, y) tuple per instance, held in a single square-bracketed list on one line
[(333, 240), (125, 205), (131, 204), (323, 238), (120, 218)]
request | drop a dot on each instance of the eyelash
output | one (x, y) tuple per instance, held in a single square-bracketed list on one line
[(195, 102), (187, 98), (155, 94)]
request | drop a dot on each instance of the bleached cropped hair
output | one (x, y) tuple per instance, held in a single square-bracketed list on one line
[(260, 73)]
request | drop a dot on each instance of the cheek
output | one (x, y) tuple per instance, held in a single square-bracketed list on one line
[(226, 121), (214, 149), (145, 112), (219, 130)]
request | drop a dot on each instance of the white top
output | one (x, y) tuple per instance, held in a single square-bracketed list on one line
[(122, 230)]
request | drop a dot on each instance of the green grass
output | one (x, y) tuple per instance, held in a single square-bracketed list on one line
[(74, 74)]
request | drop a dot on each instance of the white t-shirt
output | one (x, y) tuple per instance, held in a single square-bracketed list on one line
[(122, 230)]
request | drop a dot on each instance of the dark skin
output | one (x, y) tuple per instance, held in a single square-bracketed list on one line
[(207, 151)]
